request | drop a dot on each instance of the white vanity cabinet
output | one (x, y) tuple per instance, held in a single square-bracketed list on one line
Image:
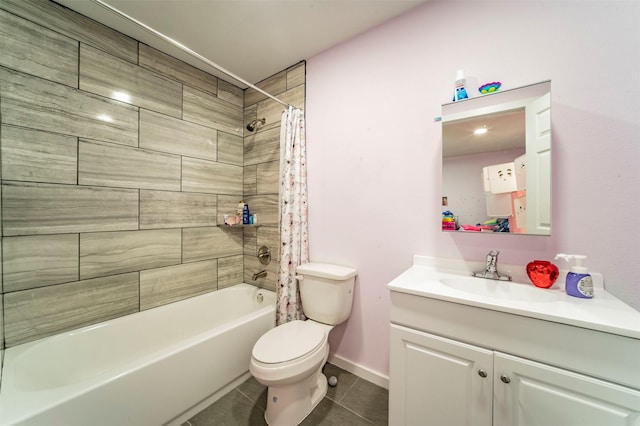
[(439, 381), (528, 393), (474, 359)]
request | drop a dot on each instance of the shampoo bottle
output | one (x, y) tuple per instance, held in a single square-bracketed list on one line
[(246, 215), (579, 282)]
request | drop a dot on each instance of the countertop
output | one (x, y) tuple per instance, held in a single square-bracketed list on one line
[(604, 312)]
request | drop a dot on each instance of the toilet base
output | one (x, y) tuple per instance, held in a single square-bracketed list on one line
[(289, 405)]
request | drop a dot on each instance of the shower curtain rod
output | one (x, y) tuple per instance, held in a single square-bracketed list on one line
[(188, 51)]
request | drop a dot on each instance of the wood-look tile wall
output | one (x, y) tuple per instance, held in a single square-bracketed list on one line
[(262, 166), (117, 164)]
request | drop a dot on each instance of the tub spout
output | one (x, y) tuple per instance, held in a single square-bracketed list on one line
[(260, 274)]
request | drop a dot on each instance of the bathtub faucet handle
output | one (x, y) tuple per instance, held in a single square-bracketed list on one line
[(264, 255)]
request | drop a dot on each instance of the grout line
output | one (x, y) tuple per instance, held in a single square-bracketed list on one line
[(353, 412), (246, 396), (349, 390)]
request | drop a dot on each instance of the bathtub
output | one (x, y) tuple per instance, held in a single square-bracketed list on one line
[(155, 367)]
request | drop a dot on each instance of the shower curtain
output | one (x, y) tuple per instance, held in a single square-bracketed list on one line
[(294, 242)]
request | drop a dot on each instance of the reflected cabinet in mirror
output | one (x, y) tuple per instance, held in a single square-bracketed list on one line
[(496, 162)]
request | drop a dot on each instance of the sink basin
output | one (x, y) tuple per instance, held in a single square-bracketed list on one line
[(504, 290)]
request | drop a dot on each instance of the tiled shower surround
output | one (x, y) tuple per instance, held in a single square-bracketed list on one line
[(118, 164)]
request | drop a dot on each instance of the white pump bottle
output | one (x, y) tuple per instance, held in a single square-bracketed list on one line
[(579, 282)]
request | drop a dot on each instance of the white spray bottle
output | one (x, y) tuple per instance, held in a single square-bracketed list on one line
[(579, 282)]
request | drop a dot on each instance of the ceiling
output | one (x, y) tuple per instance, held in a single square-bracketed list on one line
[(505, 131), (253, 39)]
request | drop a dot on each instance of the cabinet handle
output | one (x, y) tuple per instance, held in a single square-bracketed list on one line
[(482, 373), (505, 379)]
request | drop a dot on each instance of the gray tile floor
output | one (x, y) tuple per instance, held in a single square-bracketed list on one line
[(353, 402)]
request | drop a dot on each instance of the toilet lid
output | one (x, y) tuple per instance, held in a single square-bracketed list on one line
[(289, 341)]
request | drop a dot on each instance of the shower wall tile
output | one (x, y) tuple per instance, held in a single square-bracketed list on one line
[(32, 155), (40, 104), (250, 113), (211, 177), (173, 283), (40, 260), (203, 108), (91, 184), (106, 75), (269, 236), (210, 243), (272, 110), (230, 271), (167, 134), (29, 208), (65, 21), (230, 93), (275, 85), (1, 335), (268, 177), (296, 75), (169, 66), (294, 96), (104, 164), (109, 253), (230, 149), (263, 147), (51, 55), (252, 265), (36, 313), (163, 209), (250, 242), (250, 182), (266, 207)]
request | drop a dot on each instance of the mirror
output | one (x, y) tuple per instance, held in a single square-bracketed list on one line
[(496, 162)]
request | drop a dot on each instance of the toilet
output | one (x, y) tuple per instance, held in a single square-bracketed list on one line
[(289, 358)]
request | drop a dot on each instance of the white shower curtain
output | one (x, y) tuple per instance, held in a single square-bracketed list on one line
[(294, 241)]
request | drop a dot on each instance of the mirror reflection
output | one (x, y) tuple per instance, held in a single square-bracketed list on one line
[(496, 162)]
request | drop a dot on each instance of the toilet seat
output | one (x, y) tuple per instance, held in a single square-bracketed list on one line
[(289, 342)]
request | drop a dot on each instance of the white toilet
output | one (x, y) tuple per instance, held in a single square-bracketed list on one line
[(289, 358)]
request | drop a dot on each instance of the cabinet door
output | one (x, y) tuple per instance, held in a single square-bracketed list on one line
[(436, 381), (532, 394)]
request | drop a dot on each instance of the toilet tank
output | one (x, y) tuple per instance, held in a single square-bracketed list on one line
[(326, 291)]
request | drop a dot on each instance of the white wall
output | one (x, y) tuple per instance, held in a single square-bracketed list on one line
[(374, 150)]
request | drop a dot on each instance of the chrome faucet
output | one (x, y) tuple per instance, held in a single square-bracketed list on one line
[(260, 274), (491, 268)]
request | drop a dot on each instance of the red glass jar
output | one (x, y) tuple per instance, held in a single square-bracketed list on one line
[(542, 273)]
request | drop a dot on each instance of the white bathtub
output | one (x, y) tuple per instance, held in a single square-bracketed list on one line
[(155, 367)]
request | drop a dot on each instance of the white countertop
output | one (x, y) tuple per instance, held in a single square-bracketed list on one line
[(604, 312)]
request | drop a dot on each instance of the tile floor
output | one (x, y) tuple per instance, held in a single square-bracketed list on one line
[(354, 402)]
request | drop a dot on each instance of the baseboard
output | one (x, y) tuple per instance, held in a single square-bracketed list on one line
[(360, 371)]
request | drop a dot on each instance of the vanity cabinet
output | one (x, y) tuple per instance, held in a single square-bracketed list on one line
[(438, 381), (435, 380)]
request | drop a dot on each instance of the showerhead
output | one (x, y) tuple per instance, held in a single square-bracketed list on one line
[(254, 124)]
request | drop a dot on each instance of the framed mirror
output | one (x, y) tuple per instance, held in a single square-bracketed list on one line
[(496, 162)]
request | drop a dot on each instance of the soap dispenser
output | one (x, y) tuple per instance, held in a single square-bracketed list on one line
[(579, 282)]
